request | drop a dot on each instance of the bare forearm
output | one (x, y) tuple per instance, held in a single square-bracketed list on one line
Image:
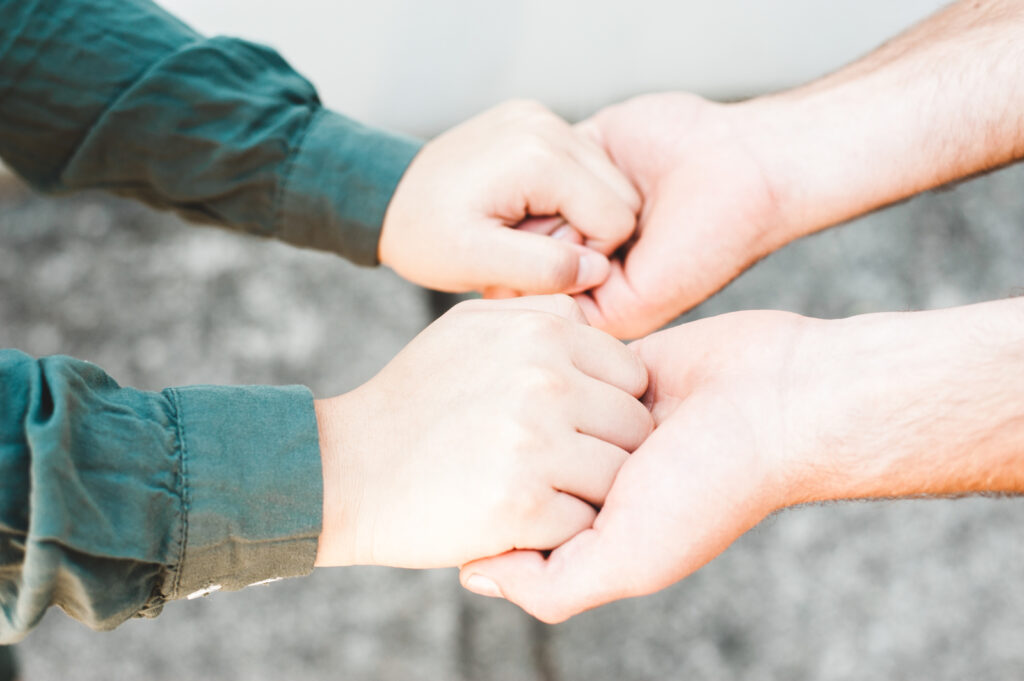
[(919, 403), (940, 102)]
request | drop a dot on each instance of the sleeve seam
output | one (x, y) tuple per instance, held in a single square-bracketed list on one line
[(280, 196), (183, 491)]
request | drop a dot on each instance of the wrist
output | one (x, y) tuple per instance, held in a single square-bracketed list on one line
[(913, 404), (891, 125), (341, 480), (813, 166)]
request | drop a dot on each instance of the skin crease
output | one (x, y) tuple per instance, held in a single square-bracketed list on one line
[(501, 426), (447, 225), (758, 411)]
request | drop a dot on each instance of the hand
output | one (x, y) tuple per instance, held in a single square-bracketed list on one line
[(757, 411), (447, 226), (501, 426), (709, 212), (713, 468)]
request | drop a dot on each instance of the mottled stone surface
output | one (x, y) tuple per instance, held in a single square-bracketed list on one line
[(911, 590)]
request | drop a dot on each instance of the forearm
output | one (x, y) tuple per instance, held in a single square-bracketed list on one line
[(941, 102), (909, 404), (121, 96)]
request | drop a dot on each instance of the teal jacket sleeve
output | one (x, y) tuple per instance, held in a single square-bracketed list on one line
[(119, 95), (114, 501)]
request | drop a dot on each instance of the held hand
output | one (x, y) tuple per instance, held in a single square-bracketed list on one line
[(721, 394), (447, 226), (501, 426), (756, 411), (708, 210)]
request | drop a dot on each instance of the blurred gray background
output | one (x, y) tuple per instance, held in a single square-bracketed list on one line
[(908, 590)]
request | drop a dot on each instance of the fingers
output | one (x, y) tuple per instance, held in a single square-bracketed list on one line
[(447, 225), (601, 356), (633, 548), (593, 352), (534, 264), (576, 179), (590, 481), (592, 157), (593, 208), (560, 305), (589, 570), (563, 517), (607, 413), (557, 228)]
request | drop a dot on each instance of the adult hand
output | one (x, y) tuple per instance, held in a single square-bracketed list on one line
[(501, 426), (724, 185), (756, 411), (709, 211), (709, 472), (447, 226)]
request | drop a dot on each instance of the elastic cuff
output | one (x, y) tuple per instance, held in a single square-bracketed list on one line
[(253, 487), (339, 186)]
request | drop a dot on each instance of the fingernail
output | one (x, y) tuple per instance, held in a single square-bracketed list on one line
[(484, 586), (567, 232), (593, 269)]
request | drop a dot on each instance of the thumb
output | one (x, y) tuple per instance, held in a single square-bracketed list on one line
[(535, 264), (585, 572), (618, 306)]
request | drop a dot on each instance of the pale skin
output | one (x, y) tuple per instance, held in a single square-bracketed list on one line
[(447, 226), (758, 411), (501, 426)]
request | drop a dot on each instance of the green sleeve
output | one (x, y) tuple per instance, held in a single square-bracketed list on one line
[(119, 95), (114, 501)]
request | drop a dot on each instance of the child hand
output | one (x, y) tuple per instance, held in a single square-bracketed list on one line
[(447, 226), (501, 426)]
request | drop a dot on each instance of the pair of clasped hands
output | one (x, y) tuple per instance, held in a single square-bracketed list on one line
[(519, 438), (514, 427)]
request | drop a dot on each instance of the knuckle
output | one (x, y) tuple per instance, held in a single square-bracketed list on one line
[(643, 422), (539, 327), (563, 303), (638, 376), (541, 384), (521, 500), (525, 115), (534, 151)]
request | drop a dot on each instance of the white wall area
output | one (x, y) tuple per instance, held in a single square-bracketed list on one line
[(421, 65)]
